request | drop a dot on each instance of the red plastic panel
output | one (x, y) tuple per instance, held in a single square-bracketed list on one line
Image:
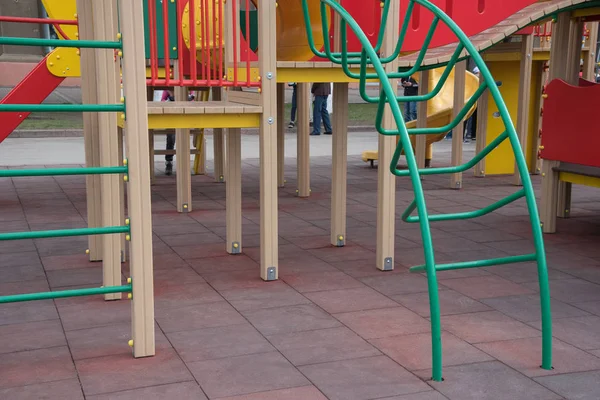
[(472, 16), (33, 89), (570, 132)]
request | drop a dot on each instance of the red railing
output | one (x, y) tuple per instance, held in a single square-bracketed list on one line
[(200, 64), (56, 23)]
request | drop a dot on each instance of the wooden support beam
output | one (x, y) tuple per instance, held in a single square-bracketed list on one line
[(107, 81), (339, 161), (538, 79), (151, 153), (218, 143), (233, 188), (91, 136), (524, 97), (267, 64), (386, 181), (460, 71), (281, 134), (421, 140), (549, 199), (480, 140), (572, 68), (131, 16), (182, 159), (122, 194), (303, 143)]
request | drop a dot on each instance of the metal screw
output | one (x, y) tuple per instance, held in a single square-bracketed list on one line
[(269, 75), (270, 120)]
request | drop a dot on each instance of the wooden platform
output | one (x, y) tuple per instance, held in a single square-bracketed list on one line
[(202, 114), (496, 34)]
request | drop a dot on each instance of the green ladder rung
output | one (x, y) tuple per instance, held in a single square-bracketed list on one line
[(62, 108), (479, 263), (14, 173), (449, 170), (81, 44), (406, 217), (64, 233), (65, 293)]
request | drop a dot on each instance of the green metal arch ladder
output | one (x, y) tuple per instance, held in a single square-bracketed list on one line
[(369, 57), (14, 173)]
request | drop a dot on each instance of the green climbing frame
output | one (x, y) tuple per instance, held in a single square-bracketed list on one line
[(369, 57), (16, 173)]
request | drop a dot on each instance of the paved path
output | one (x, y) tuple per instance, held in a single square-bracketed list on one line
[(46, 151)]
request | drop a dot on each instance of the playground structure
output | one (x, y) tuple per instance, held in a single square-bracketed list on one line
[(407, 41), (439, 110)]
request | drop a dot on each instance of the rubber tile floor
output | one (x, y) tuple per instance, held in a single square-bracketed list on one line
[(332, 327)]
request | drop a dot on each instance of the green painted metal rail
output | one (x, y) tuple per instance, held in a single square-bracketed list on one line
[(14, 173), (369, 57), (65, 293), (64, 233), (81, 44), (62, 108)]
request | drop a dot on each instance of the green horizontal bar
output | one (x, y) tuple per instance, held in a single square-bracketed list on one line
[(81, 44), (62, 107), (64, 293), (13, 173), (464, 215), (479, 263), (64, 233), (455, 169)]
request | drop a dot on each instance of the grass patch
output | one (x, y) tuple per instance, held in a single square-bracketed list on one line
[(358, 114), (41, 121)]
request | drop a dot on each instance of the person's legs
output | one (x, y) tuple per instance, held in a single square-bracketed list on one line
[(325, 116), (294, 107), (318, 104), (412, 110), (169, 157)]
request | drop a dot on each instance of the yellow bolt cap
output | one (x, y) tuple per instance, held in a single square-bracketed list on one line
[(119, 36), (126, 178), (126, 221), (128, 237), (129, 296), (128, 280), (87, 251), (235, 245), (130, 343)]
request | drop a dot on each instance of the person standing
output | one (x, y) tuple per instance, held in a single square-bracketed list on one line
[(411, 88), (168, 96), (321, 92), (292, 123)]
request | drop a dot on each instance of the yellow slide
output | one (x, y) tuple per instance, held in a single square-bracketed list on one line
[(439, 109)]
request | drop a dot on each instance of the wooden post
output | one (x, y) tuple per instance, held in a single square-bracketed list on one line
[(554, 197), (421, 140), (524, 97), (150, 97), (267, 63), (573, 63), (386, 181), (105, 28), (303, 143), (218, 142), (460, 71), (91, 136), (182, 159), (122, 190), (281, 134), (233, 188), (138, 195), (538, 79), (480, 140), (339, 161)]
